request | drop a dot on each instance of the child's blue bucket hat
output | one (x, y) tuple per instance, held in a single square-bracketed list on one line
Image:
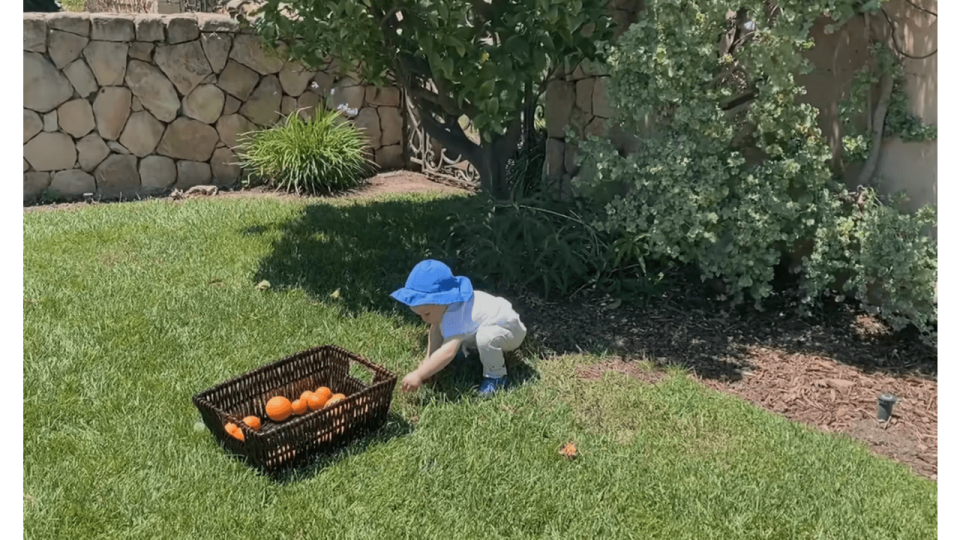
[(432, 282)]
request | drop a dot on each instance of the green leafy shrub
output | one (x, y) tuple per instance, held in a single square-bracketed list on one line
[(689, 194), (539, 242), (731, 173), (323, 154), (883, 257)]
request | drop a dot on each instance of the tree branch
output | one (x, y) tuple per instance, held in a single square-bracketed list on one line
[(896, 45), (456, 141), (506, 145), (727, 37), (879, 119), (448, 103), (386, 17), (921, 8), (773, 12), (737, 109), (728, 72), (738, 100), (439, 124)]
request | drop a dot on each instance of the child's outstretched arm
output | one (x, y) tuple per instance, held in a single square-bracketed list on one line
[(434, 340), (434, 363)]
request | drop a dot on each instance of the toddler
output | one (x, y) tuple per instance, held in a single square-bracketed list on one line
[(459, 317)]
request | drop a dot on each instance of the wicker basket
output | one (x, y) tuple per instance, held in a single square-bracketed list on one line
[(278, 446)]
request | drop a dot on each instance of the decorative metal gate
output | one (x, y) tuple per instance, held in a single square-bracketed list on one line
[(433, 159)]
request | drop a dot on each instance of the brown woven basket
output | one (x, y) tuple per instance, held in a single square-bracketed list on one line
[(279, 446)]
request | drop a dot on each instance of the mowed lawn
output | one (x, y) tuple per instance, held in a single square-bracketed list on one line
[(130, 309)]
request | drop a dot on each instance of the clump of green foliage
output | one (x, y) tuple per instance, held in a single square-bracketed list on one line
[(730, 173), (322, 154)]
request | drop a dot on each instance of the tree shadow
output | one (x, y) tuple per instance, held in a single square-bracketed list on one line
[(357, 254), (688, 327), (362, 252)]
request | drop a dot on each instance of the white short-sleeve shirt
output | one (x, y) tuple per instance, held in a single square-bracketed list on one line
[(465, 318)]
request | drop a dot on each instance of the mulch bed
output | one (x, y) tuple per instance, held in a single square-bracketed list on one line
[(825, 369), (843, 399)]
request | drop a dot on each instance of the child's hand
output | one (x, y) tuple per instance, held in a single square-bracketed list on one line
[(412, 382)]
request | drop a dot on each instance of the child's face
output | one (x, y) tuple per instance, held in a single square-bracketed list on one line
[(430, 313)]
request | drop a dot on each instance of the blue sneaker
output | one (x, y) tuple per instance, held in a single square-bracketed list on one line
[(489, 385)]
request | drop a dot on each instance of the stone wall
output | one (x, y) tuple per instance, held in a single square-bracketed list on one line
[(165, 7), (579, 99), (122, 106)]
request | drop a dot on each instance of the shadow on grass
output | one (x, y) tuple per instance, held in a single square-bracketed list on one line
[(361, 251), (686, 326), (365, 251), (460, 379), (454, 383), (395, 427)]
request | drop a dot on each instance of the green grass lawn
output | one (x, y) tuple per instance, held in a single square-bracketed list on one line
[(131, 309)]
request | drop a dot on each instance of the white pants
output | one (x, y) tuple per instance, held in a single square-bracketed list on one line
[(492, 341)]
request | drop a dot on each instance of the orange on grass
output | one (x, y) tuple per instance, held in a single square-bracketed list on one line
[(335, 398), (315, 402), (324, 393), (233, 431), (299, 406), (279, 408), (252, 421)]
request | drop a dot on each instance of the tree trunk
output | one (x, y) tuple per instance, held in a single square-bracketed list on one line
[(490, 160), (879, 120), (492, 166)]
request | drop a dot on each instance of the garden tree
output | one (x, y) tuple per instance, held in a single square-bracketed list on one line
[(480, 58)]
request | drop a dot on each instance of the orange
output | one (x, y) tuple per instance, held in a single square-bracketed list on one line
[(324, 393), (315, 402), (305, 395), (335, 398), (233, 431), (252, 421), (299, 406), (279, 408)]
